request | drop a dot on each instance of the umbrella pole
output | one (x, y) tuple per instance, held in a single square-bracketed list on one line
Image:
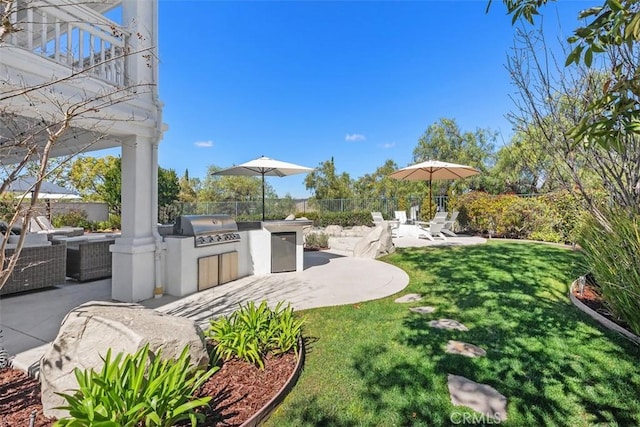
[(263, 196), (430, 202)]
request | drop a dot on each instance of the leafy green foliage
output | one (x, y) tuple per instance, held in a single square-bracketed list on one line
[(446, 142), (612, 29), (554, 217), (7, 207), (343, 219), (326, 183), (168, 186), (220, 188), (73, 218), (135, 389), (613, 256), (252, 331)]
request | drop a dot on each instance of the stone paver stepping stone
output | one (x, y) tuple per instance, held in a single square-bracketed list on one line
[(465, 349), (423, 310), (448, 324), (479, 397), (409, 298)]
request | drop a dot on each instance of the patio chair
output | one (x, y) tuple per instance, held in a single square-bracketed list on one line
[(413, 212), (448, 224), (440, 217), (377, 218), (431, 230), (41, 224), (401, 216)]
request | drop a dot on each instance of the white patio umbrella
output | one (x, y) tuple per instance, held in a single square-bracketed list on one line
[(264, 166), (432, 170)]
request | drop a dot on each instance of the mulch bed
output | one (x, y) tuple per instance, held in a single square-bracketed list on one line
[(238, 390), (592, 299)]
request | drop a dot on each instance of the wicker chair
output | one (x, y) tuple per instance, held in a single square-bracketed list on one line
[(37, 267), (89, 260)]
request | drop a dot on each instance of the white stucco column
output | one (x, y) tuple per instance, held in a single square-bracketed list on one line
[(133, 269), (137, 252)]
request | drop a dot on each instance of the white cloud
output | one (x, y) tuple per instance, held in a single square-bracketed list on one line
[(203, 144), (354, 137), (388, 145)]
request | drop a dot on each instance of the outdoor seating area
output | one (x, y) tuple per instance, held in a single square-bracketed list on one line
[(40, 265), (441, 225), (49, 259)]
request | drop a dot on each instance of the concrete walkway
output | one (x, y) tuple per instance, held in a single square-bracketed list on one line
[(30, 321)]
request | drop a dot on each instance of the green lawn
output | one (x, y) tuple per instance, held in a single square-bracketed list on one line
[(378, 364)]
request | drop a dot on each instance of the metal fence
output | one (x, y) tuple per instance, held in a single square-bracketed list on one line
[(281, 208)]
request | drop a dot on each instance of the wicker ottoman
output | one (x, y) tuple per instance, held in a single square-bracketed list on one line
[(89, 260)]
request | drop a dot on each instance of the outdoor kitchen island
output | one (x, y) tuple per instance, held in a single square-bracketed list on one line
[(204, 251)]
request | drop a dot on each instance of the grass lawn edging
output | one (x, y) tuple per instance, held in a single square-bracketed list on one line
[(600, 318), (269, 407)]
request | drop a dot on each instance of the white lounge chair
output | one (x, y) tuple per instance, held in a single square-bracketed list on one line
[(378, 219), (440, 217), (448, 224), (41, 224), (401, 216), (430, 230)]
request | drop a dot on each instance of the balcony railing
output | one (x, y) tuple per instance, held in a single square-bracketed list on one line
[(72, 35)]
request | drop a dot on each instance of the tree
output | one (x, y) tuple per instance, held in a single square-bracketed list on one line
[(188, 188), (220, 188), (612, 29), (380, 185), (327, 184), (87, 175), (168, 187), (445, 141), (552, 100)]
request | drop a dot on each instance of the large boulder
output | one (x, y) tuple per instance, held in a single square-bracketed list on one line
[(376, 243), (89, 330)]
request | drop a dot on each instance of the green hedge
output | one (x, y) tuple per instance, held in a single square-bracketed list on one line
[(552, 217), (344, 219)]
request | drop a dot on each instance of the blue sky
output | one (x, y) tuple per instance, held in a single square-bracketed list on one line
[(304, 81)]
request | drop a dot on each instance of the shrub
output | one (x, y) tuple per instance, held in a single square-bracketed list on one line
[(7, 207), (141, 388), (74, 218), (427, 209), (553, 217), (251, 332), (613, 257), (113, 223), (317, 240), (343, 219)]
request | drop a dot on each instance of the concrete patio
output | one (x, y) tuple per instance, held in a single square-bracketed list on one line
[(30, 321)]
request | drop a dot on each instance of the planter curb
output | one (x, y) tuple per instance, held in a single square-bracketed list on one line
[(267, 409), (600, 318)]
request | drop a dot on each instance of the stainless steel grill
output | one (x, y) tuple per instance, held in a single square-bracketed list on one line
[(208, 229)]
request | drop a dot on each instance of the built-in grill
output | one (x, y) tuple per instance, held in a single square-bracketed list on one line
[(207, 229)]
